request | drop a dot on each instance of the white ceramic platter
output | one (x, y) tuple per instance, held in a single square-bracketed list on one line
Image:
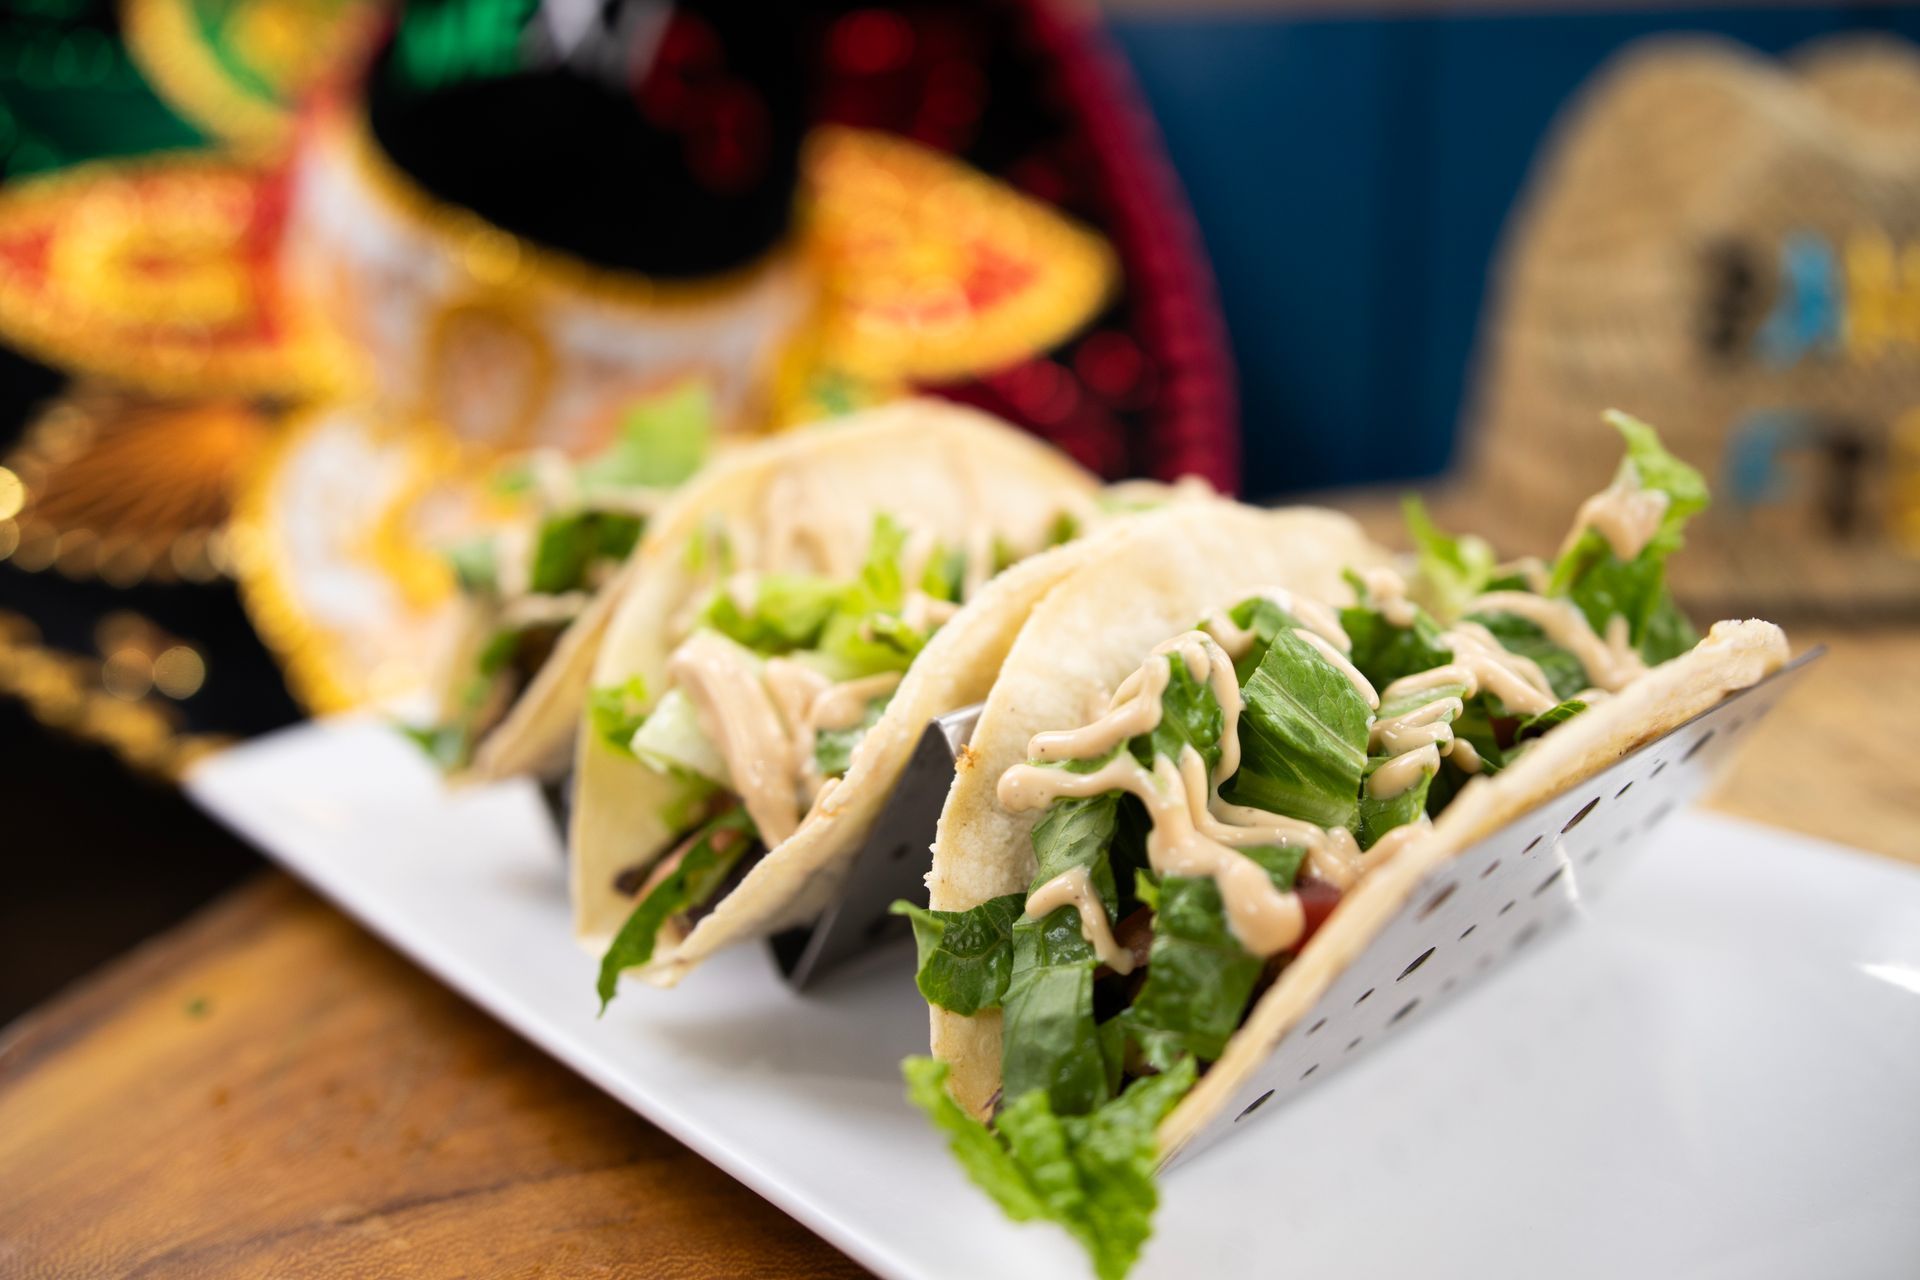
[(1716, 1074)]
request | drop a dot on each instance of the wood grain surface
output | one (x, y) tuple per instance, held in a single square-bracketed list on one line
[(269, 1091)]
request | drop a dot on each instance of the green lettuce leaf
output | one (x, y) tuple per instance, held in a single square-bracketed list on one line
[(865, 634), (1050, 1042), (1094, 1174), (1520, 636), (979, 1151), (476, 565), (1385, 653), (946, 575), (1199, 977), (446, 745), (1303, 737), (616, 712), (789, 611), (567, 547), (688, 885), (833, 748), (662, 441), (1451, 570), (965, 957), (1379, 816), (1189, 716), (1559, 714), (1605, 586), (1282, 863), (1078, 832), (1266, 620)]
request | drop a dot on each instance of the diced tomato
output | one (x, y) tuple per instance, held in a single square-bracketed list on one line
[(1317, 900)]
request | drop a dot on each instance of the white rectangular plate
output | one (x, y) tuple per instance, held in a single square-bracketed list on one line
[(1711, 1076)]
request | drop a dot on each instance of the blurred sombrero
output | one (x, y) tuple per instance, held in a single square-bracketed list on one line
[(1729, 247), (466, 265), (239, 68)]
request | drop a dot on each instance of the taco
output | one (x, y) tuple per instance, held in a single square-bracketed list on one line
[(1192, 797), (794, 620), (538, 586)]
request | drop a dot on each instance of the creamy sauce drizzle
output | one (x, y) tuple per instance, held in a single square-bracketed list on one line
[(1611, 664), (1387, 592), (1194, 832), (1074, 888), (737, 713), (1623, 513), (539, 610)]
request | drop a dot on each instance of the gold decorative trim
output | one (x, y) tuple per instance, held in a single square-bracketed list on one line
[(309, 658), (162, 38), (115, 487), (499, 259), (296, 361), (900, 232), (90, 699), (320, 667)]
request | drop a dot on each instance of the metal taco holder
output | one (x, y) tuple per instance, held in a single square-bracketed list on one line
[(1468, 915)]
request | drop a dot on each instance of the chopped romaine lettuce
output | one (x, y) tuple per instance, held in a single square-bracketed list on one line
[(1091, 1174), (1199, 977), (1050, 1040), (1377, 815), (1266, 620), (1190, 716), (1303, 737), (1605, 586), (1385, 652), (567, 547), (1559, 714), (1519, 636), (446, 745), (965, 957), (833, 748), (1452, 570), (615, 711), (475, 565), (662, 441), (1078, 832), (670, 738), (700, 873), (788, 613)]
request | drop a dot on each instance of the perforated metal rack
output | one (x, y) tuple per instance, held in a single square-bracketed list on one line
[(1464, 919), (1476, 911)]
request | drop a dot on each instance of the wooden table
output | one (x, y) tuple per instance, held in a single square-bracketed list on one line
[(269, 1090)]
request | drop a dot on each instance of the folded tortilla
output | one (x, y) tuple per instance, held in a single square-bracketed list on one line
[(807, 503), (1149, 583)]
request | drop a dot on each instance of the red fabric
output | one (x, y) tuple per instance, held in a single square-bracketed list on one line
[(1147, 388)]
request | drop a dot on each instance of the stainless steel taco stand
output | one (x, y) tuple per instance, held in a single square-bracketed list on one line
[(1465, 919), (891, 865), (1475, 912)]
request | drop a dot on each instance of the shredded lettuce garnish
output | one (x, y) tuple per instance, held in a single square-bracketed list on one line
[(660, 444), (1071, 1037), (1092, 1174), (1303, 737), (614, 712), (701, 872), (1452, 570), (966, 957)]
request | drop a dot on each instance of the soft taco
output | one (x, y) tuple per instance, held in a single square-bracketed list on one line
[(795, 619), (1197, 790), (538, 586)]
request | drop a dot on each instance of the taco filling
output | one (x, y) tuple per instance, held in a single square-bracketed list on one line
[(1201, 825), (524, 584), (775, 681)]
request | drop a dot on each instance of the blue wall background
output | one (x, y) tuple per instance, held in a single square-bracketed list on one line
[(1352, 176)]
